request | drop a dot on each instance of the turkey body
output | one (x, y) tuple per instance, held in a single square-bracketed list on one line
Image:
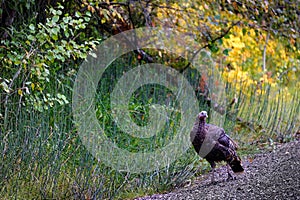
[(212, 143)]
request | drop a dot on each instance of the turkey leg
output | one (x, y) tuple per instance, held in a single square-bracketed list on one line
[(213, 166), (230, 177)]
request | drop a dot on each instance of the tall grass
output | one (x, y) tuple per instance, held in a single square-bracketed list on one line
[(267, 115), (42, 156)]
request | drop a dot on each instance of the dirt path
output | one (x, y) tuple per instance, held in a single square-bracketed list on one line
[(274, 175)]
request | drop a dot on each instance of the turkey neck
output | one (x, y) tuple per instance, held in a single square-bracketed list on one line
[(201, 125)]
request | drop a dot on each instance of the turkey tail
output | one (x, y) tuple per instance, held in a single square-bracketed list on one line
[(236, 164), (235, 161), (232, 144)]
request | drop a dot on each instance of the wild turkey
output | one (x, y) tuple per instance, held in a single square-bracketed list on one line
[(212, 143)]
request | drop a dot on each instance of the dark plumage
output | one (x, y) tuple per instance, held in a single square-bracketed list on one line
[(212, 143)]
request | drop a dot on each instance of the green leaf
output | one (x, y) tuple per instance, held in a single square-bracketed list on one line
[(83, 55), (5, 87), (226, 52), (54, 37), (78, 14), (55, 18), (88, 13), (220, 41), (60, 101), (27, 5), (31, 37), (32, 27), (67, 34), (53, 11), (213, 48), (66, 19), (55, 30), (59, 12), (244, 31), (227, 36)]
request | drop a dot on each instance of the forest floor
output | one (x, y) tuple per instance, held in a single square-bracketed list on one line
[(270, 175)]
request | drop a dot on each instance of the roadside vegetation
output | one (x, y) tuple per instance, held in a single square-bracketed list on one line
[(255, 48)]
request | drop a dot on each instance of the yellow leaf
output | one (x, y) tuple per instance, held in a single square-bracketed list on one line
[(32, 86), (20, 92), (91, 8)]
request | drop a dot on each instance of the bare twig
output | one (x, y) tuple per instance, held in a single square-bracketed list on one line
[(16, 75), (207, 45), (138, 51), (146, 13), (7, 96)]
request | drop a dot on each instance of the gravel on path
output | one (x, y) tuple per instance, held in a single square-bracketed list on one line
[(272, 175)]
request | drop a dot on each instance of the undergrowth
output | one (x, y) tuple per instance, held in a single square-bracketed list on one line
[(42, 156)]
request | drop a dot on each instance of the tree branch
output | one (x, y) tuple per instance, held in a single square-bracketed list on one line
[(207, 45)]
